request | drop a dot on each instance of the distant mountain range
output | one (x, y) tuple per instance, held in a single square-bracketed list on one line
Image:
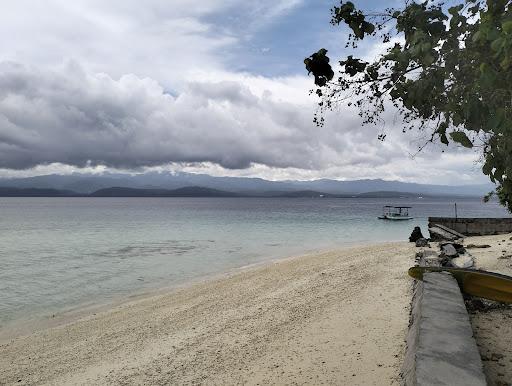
[(189, 191), (202, 185)]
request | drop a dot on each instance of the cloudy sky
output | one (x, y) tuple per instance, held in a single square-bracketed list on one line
[(214, 86)]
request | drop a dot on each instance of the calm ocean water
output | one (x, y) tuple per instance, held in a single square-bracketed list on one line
[(60, 253)]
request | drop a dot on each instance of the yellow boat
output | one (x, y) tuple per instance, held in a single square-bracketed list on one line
[(488, 285)]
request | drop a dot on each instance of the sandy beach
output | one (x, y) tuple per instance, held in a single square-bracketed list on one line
[(493, 326), (332, 318)]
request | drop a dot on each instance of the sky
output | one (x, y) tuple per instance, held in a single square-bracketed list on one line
[(216, 87)]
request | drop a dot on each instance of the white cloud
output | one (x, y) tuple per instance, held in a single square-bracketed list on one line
[(146, 84), (155, 38), (76, 118)]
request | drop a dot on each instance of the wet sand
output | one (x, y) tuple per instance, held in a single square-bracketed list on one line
[(339, 317)]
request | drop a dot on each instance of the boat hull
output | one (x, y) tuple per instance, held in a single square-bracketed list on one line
[(488, 285), (393, 218)]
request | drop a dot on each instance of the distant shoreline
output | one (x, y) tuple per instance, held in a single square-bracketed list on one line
[(199, 191)]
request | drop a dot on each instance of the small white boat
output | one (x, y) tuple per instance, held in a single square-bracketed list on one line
[(395, 213)]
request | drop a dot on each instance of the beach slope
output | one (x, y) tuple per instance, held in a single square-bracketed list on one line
[(332, 318)]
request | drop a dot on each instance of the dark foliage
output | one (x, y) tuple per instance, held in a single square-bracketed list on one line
[(449, 74)]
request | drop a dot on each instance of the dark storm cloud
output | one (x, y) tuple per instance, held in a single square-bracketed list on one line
[(72, 117), (162, 81), (80, 119)]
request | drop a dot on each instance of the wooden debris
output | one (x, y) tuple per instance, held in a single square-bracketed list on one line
[(472, 246), (451, 231), (439, 234)]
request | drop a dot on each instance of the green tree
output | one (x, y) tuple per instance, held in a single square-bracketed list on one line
[(447, 71)]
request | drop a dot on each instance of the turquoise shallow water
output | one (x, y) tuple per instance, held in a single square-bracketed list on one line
[(59, 253)]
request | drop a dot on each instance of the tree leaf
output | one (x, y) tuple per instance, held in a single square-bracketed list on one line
[(487, 168), (462, 138), (507, 26), (444, 139)]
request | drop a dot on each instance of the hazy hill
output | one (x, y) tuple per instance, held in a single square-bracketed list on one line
[(190, 191), (89, 183), (34, 192), (305, 194), (391, 194), (196, 191)]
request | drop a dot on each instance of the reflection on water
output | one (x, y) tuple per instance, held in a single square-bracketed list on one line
[(57, 253)]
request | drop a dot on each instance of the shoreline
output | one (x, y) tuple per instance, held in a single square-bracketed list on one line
[(34, 323), (332, 317)]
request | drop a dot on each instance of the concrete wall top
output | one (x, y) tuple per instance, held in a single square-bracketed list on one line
[(474, 226), (492, 220), (441, 349)]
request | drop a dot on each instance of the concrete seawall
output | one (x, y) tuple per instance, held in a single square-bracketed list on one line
[(474, 226), (441, 349)]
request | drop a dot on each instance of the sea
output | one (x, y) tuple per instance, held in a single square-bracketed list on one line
[(60, 254)]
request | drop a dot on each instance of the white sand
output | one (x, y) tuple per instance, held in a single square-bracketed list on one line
[(493, 329), (333, 318)]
